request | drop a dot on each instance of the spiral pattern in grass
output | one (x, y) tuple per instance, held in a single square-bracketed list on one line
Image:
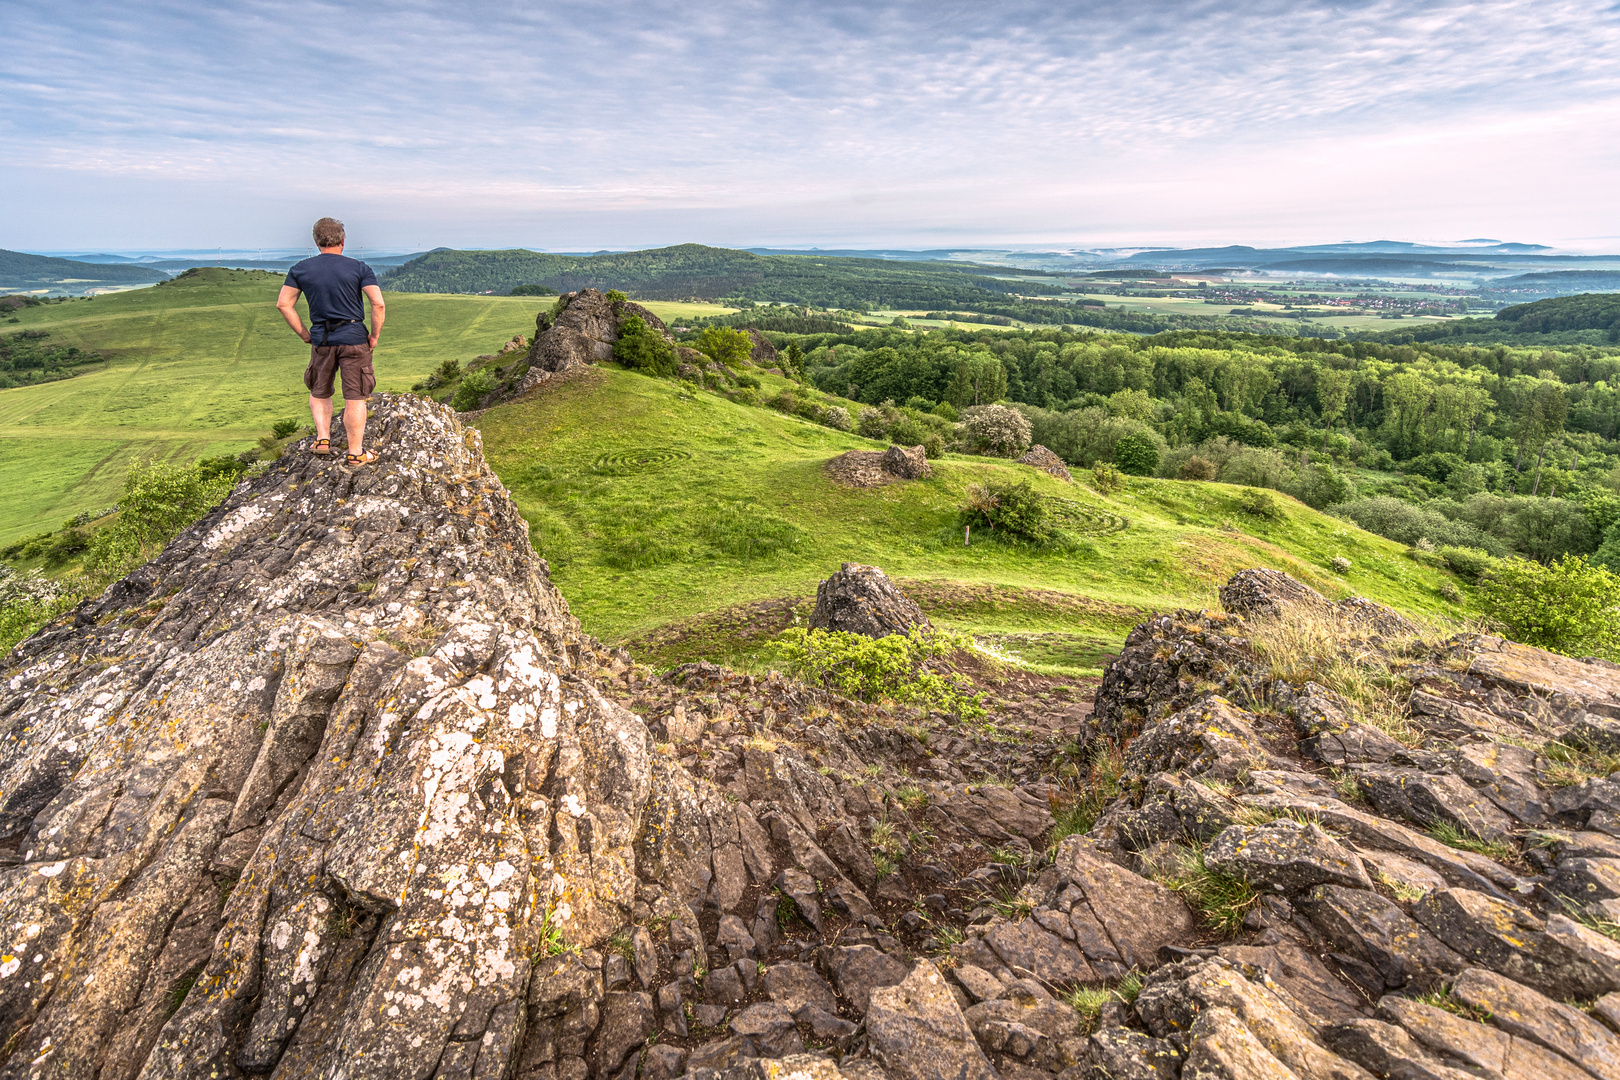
[(1083, 520), (647, 460)]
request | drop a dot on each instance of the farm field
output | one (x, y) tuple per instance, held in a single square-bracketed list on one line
[(196, 368)]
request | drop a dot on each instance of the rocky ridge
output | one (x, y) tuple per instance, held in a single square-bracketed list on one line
[(583, 332), (336, 787)]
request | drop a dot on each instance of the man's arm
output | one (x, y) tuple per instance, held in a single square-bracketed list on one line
[(379, 311), (287, 304)]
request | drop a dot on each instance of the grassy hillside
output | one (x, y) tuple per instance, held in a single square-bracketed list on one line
[(21, 271), (694, 270), (686, 503), (197, 367), (1583, 319)]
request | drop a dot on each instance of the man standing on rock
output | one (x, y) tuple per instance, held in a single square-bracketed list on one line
[(337, 335)]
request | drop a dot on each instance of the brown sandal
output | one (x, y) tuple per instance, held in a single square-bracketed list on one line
[(365, 457), (322, 447)]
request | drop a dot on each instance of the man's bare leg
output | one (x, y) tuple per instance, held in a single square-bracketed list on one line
[(321, 410), (354, 422)]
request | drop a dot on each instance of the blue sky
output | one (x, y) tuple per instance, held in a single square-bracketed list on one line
[(574, 126)]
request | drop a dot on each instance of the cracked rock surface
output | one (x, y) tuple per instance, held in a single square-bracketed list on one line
[(336, 787)]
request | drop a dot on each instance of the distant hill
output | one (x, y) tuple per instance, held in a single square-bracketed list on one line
[(1588, 311), (1587, 319), (19, 270), (1557, 283), (695, 271)]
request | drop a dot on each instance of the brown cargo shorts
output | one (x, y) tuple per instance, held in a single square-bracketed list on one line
[(353, 360)]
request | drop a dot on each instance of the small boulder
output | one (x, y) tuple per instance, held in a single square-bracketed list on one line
[(793, 985), (908, 463), (916, 1031), (1039, 457), (1286, 856), (862, 600), (768, 1029), (1270, 593), (860, 970)]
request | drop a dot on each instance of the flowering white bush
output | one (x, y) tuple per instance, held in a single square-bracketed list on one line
[(998, 430), (837, 417)]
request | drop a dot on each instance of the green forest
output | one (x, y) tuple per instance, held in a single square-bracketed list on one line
[(694, 271), (1472, 452), (1587, 318)]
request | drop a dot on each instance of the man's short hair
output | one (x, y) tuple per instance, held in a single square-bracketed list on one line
[(328, 232)]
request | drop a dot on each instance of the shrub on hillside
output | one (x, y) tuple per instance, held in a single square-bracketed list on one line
[(724, 345), (1136, 455), (1105, 478), (1260, 504), (1085, 436), (473, 389), (899, 667), (159, 500), (643, 349), (26, 600), (1407, 524), (1017, 509), (1571, 606), (1197, 468), (1321, 486), (904, 427), (1468, 563), (997, 430), (837, 418)]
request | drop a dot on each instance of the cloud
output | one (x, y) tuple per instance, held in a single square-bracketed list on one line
[(612, 124)]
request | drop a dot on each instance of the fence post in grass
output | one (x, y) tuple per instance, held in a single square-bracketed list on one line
[(967, 531)]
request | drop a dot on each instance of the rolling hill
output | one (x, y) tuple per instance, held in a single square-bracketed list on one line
[(638, 490), (21, 271), (694, 271), (1583, 319), (640, 518)]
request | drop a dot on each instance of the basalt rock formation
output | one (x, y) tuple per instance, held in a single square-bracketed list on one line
[(582, 333), (336, 787), (1039, 457), (874, 468), (1453, 842), (862, 600)]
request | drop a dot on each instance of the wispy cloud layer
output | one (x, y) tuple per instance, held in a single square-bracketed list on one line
[(604, 124)]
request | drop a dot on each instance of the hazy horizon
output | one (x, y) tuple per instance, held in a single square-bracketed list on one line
[(895, 124)]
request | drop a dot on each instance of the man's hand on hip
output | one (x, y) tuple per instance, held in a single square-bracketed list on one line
[(371, 342)]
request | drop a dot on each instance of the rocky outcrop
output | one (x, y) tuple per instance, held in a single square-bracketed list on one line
[(871, 468), (583, 332), (1039, 457), (763, 353), (862, 600), (337, 787), (1409, 869), (1274, 594)]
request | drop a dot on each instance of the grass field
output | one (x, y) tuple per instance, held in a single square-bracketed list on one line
[(642, 516), (197, 368), (677, 521)]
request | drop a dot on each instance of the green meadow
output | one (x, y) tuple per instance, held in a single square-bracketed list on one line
[(678, 521), (656, 505), (200, 367)]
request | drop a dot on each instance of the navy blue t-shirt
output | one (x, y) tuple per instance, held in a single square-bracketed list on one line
[(332, 284)]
